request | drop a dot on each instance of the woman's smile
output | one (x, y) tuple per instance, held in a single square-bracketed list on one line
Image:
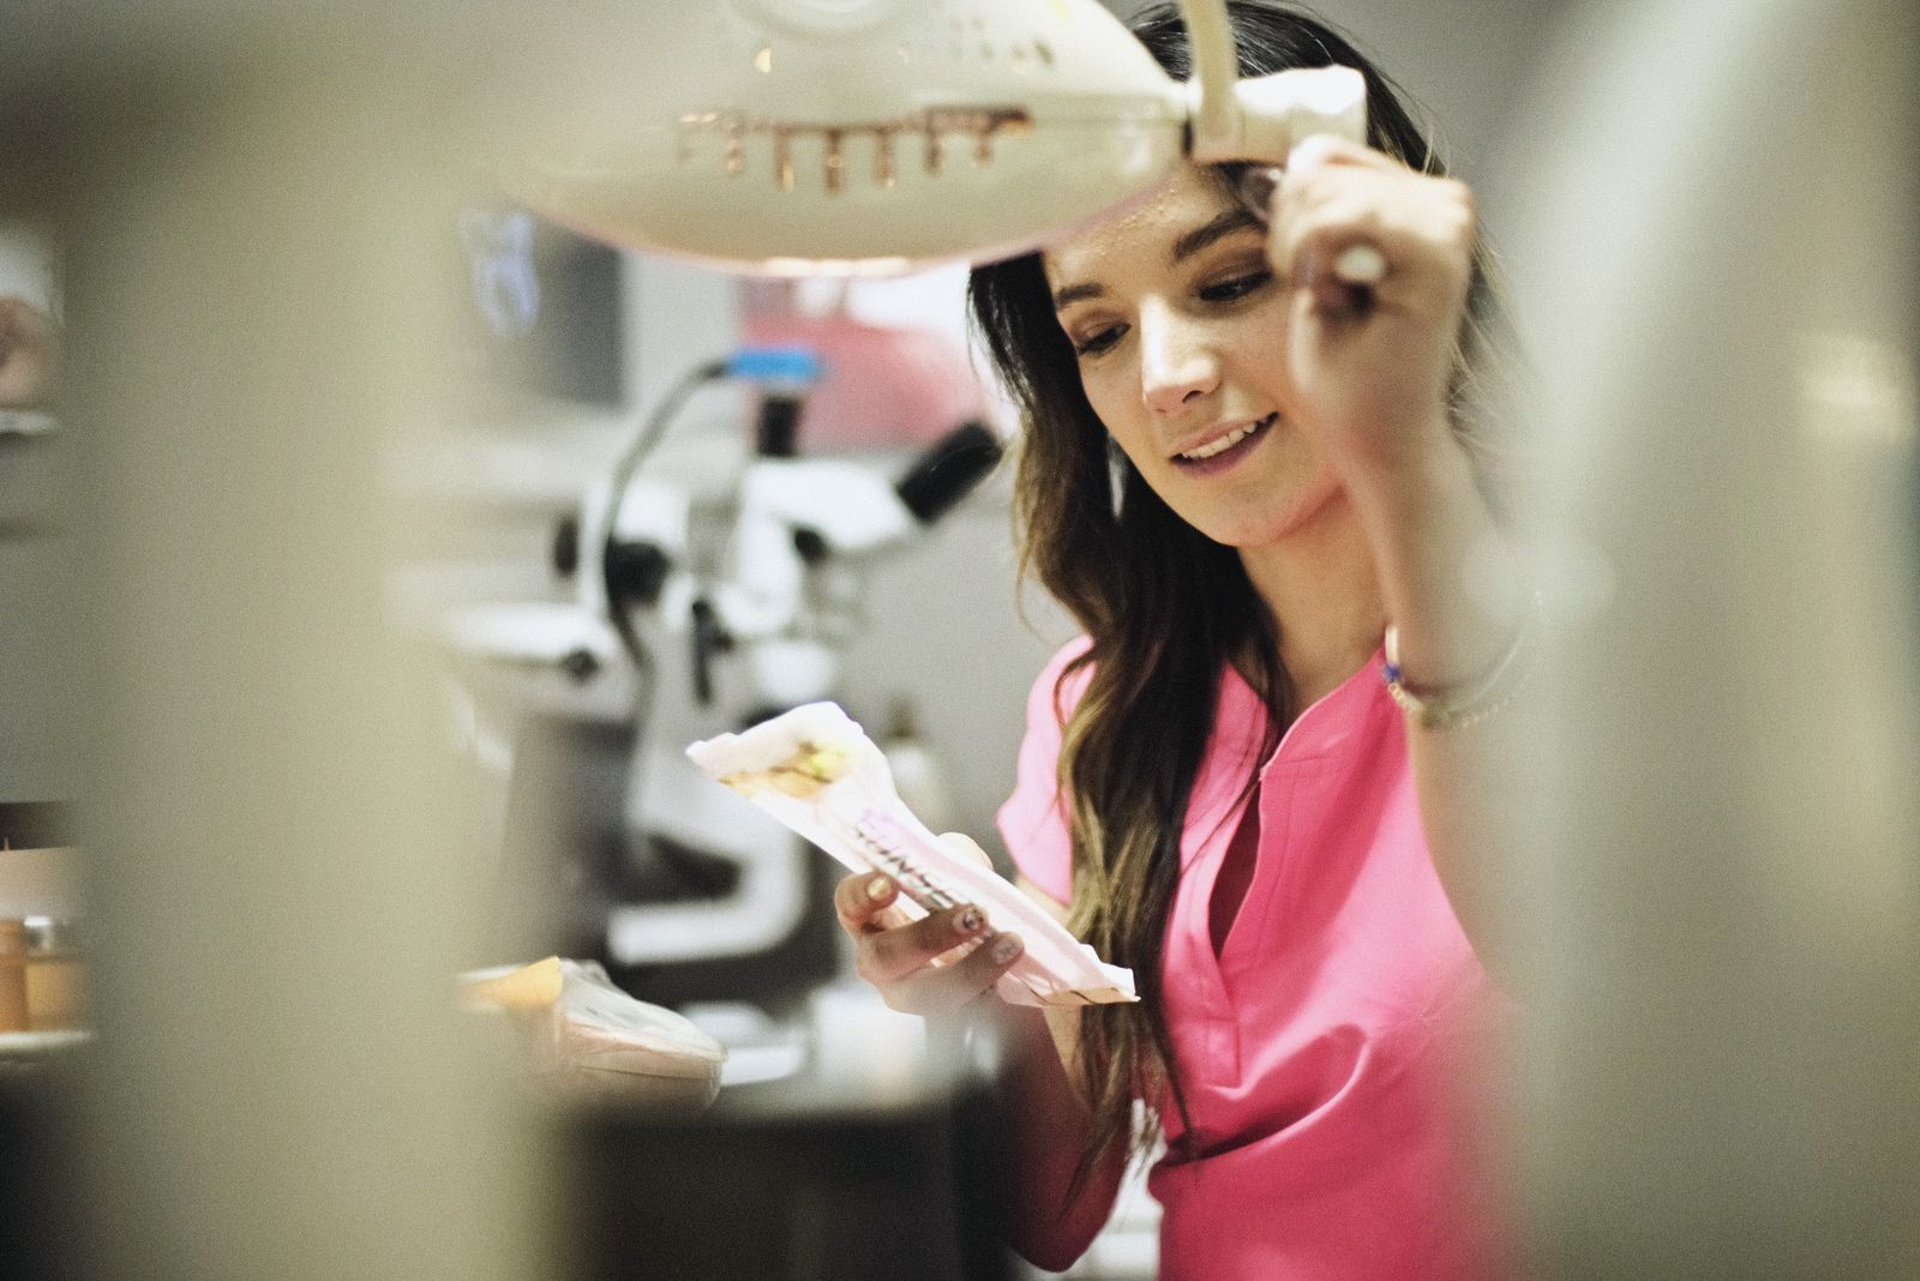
[(1222, 450)]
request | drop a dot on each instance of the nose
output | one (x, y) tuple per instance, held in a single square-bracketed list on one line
[(1178, 365)]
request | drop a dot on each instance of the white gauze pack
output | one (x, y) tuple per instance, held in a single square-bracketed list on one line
[(815, 770)]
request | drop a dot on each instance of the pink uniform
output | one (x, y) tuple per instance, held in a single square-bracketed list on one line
[(1318, 1047)]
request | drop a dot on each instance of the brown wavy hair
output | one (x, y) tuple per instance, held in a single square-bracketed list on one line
[(1166, 608)]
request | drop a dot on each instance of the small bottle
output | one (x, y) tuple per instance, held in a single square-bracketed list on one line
[(13, 976), (56, 976)]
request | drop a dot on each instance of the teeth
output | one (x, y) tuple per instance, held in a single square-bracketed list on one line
[(1224, 443)]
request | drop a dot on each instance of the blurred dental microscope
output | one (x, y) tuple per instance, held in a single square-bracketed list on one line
[(712, 573)]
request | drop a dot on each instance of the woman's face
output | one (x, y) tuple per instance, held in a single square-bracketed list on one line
[(1180, 329)]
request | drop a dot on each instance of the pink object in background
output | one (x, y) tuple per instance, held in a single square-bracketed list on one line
[(884, 388)]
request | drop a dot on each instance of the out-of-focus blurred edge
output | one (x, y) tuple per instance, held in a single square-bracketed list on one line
[(246, 196), (1721, 911), (1720, 882)]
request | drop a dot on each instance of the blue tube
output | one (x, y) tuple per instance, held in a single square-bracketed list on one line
[(791, 367)]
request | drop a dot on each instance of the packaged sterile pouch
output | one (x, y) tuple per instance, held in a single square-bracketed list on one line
[(588, 1038), (815, 770)]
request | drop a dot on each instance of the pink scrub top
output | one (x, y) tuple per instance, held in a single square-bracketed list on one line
[(1322, 1049)]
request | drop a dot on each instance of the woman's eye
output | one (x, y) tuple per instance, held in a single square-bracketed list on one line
[(1238, 286), (1095, 343)]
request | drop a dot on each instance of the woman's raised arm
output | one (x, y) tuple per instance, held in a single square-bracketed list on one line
[(1375, 365)]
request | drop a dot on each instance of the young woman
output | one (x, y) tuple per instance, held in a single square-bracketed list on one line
[(1249, 459)]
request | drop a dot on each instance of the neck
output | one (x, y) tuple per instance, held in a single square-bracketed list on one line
[(1322, 587)]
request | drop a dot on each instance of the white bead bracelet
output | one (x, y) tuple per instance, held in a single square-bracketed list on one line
[(1458, 707)]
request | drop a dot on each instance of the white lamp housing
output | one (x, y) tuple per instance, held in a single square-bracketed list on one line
[(799, 137)]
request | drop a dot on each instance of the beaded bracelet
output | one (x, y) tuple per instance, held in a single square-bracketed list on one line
[(1457, 708)]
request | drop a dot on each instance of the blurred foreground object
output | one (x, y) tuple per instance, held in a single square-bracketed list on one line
[(588, 1039), (41, 984), (1719, 283), (247, 203)]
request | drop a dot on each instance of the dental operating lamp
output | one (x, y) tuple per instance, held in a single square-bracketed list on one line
[(804, 137)]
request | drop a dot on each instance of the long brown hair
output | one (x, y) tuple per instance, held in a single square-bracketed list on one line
[(1166, 608)]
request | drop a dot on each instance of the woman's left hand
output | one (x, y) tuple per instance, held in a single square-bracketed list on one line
[(1372, 364)]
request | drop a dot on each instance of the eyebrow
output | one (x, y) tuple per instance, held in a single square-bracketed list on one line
[(1235, 219), (1218, 228)]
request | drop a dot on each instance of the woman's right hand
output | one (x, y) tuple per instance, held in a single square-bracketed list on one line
[(930, 966)]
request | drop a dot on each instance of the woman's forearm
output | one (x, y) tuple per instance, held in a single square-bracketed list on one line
[(1446, 568), (1047, 1128), (1453, 591)]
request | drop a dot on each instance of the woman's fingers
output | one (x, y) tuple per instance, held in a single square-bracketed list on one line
[(1352, 226), (888, 956), (926, 966), (931, 965), (1379, 259), (861, 898), (1401, 211), (933, 991), (1325, 149)]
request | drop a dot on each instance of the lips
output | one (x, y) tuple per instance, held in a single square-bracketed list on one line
[(1218, 449)]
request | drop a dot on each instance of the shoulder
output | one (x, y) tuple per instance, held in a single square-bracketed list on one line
[(1035, 822)]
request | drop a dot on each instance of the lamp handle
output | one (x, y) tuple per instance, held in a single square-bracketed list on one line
[(1215, 69), (1261, 119)]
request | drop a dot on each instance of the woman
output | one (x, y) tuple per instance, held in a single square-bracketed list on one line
[(1240, 469)]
